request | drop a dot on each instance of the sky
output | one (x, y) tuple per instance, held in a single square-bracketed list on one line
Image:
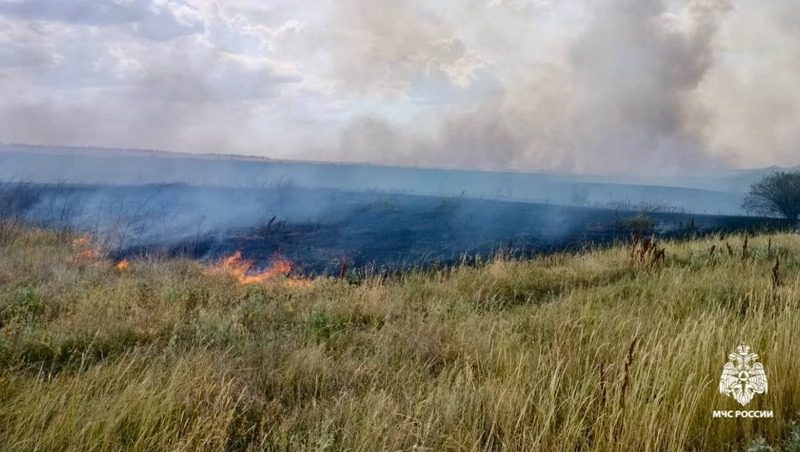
[(585, 86)]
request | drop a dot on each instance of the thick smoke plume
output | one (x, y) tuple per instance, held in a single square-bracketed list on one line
[(624, 100)]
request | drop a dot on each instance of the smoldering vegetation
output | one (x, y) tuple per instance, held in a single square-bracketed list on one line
[(334, 218), (325, 231)]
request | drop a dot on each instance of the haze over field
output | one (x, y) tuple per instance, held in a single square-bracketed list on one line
[(648, 87), (721, 192)]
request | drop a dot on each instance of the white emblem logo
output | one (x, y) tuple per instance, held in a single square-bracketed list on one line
[(743, 377)]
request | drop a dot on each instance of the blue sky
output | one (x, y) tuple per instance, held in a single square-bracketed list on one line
[(644, 86)]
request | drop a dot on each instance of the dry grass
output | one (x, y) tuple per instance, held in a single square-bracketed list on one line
[(592, 351)]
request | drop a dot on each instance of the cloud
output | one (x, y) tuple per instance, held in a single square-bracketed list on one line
[(149, 19), (68, 83), (20, 47), (646, 86)]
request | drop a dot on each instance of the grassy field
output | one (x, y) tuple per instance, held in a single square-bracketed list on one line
[(589, 351)]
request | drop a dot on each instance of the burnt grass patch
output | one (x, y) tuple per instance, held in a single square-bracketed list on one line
[(340, 233)]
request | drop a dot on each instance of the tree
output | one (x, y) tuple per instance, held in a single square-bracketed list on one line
[(776, 195)]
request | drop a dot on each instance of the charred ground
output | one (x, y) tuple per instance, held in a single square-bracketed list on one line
[(327, 231)]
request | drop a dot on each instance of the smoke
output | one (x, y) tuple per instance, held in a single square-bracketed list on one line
[(384, 46), (623, 101), (635, 71), (623, 86), (752, 94)]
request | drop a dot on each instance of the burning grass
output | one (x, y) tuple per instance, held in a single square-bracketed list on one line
[(85, 249), (604, 350), (122, 265), (245, 271)]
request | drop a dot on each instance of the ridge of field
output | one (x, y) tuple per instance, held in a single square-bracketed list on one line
[(718, 194)]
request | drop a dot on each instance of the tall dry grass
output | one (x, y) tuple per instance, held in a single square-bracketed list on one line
[(601, 350)]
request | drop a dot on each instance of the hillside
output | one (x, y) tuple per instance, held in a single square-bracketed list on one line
[(716, 194), (596, 350)]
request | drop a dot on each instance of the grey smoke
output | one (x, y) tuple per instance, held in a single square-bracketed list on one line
[(623, 102)]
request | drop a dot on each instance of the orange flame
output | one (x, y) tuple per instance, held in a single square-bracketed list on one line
[(242, 269), (85, 248), (122, 265)]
